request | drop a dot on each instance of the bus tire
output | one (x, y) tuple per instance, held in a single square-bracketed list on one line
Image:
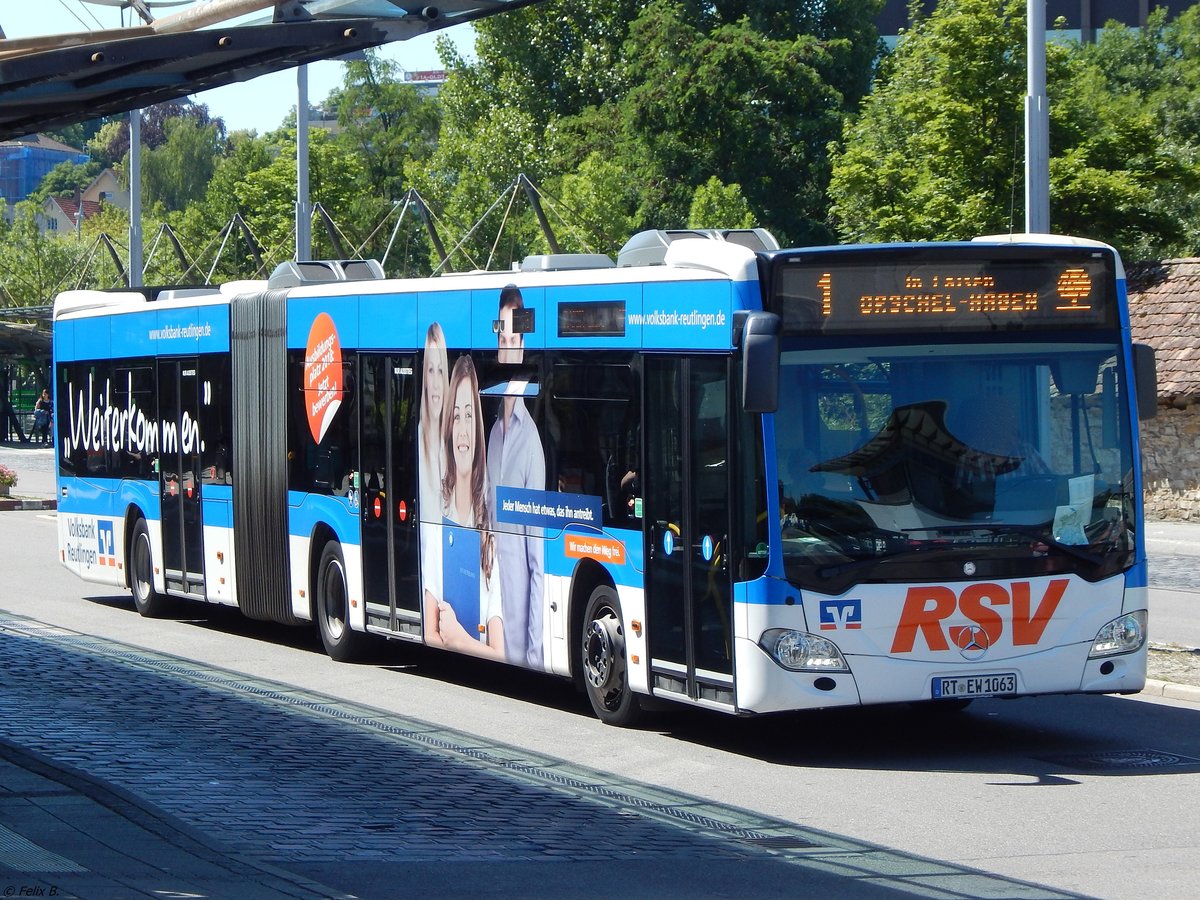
[(342, 642), (604, 662), (148, 601)]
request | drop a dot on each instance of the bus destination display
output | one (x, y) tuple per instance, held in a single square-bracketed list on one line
[(948, 295)]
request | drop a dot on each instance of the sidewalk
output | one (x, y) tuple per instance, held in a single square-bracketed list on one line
[(34, 465)]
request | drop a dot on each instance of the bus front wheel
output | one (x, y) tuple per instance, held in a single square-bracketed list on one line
[(148, 601), (342, 642), (604, 662)]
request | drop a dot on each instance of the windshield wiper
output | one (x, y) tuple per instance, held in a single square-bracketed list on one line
[(1042, 537), (934, 545), (863, 561)]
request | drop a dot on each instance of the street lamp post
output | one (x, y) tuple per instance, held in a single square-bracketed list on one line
[(135, 198), (303, 204), (1037, 124)]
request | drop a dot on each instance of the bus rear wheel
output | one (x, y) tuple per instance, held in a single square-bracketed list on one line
[(148, 601), (342, 642), (604, 662)]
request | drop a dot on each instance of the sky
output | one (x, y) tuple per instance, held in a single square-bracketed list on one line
[(260, 104)]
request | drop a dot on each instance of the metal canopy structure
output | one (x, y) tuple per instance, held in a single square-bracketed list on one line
[(23, 341), (57, 80)]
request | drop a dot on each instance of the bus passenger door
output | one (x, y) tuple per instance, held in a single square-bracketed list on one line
[(687, 511), (388, 493), (179, 476)]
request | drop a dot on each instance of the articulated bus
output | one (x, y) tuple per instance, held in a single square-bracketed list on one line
[(718, 473)]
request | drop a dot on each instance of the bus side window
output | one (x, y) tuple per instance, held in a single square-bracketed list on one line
[(216, 420), (322, 467), (593, 413)]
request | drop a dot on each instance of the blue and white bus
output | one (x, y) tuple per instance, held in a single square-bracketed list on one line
[(718, 473)]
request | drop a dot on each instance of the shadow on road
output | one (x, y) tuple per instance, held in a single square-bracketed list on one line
[(1035, 741)]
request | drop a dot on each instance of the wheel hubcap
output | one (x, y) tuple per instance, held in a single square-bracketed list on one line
[(602, 652), (335, 600), (141, 567)]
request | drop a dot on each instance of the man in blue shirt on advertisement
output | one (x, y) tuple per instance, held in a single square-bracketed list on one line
[(515, 460)]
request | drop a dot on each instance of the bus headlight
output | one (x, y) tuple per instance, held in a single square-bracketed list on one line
[(1123, 634), (802, 652)]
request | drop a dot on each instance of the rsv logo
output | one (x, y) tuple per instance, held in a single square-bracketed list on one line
[(838, 614), (926, 607)]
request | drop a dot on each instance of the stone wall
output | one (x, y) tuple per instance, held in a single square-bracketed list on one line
[(1171, 464)]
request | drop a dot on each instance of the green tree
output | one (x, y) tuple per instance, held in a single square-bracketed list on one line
[(200, 224), (932, 154), (386, 124), (385, 121), (177, 172), (937, 151), (77, 134), (669, 93), (110, 143), (595, 201), (258, 180), (35, 265), (549, 60), (1125, 116), (65, 179), (718, 205), (111, 222), (748, 107)]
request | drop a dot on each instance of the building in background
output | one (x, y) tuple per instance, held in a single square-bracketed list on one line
[(1081, 18), (65, 215), (24, 162), (1164, 312)]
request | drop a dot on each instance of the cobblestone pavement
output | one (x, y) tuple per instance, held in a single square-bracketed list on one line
[(292, 777)]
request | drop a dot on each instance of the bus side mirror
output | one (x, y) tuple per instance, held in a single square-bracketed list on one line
[(761, 334), (1145, 380)]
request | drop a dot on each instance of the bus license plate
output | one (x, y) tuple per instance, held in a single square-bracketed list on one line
[(974, 686)]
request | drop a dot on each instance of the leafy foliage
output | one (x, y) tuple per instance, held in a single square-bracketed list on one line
[(937, 151), (717, 205), (669, 94), (1126, 117), (636, 114), (932, 155), (177, 172), (65, 179), (34, 266)]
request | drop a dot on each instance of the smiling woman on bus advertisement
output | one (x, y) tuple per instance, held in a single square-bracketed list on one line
[(470, 598), (433, 400)]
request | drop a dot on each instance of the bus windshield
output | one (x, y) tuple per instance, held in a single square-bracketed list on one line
[(904, 462)]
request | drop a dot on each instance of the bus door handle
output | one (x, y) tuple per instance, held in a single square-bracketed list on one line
[(659, 542), (711, 551)]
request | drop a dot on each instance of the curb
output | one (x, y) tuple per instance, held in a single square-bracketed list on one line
[(9, 503), (1171, 690)]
